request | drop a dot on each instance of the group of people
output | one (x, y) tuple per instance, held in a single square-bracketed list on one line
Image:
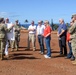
[(43, 32), (65, 35), (9, 36), (68, 34)]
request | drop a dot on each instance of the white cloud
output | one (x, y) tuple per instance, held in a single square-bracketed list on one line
[(4, 14), (9, 14)]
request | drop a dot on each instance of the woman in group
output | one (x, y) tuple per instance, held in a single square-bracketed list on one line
[(70, 54), (47, 36)]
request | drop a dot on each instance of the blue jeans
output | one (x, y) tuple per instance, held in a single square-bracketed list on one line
[(47, 41), (41, 42), (70, 54)]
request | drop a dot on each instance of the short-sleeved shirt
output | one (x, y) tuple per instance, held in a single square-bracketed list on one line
[(32, 27), (47, 30), (40, 29), (62, 27)]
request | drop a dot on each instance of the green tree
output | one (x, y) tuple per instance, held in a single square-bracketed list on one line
[(55, 26), (26, 21), (67, 24)]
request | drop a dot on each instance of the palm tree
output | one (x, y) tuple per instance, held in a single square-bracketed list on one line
[(26, 25), (26, 21)]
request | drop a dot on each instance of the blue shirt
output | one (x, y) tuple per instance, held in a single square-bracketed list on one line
[(62, 27)]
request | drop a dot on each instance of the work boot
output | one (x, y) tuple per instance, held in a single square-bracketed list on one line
[(34, 49), (17, 49), (27, 48), (7, 56)]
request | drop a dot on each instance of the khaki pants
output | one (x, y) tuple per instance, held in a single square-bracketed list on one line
[(12, 43), (32, 38), (16, 42)]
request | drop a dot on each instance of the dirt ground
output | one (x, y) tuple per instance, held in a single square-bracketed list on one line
[(28, 62)]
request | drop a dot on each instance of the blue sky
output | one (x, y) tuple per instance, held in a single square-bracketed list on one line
[(37, 10)]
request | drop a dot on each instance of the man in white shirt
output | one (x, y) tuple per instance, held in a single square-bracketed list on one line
[(32, 35), (40, 31)]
